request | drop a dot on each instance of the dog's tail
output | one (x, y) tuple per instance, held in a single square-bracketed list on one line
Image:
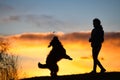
[(42, 65)]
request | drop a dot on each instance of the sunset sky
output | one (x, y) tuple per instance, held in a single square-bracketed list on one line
[(28, 24)]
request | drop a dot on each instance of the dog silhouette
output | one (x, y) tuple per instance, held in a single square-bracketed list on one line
[(56, 54)]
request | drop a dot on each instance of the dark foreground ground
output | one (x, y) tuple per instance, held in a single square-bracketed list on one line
[(86, 76)]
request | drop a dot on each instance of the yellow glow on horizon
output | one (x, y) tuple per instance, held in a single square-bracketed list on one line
[(33, 51)]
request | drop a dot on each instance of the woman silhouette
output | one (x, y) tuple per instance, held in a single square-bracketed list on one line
[(97, 38)]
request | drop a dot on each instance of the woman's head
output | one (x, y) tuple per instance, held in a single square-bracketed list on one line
[(96, 22)]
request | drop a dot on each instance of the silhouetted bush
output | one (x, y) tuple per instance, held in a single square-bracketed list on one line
[(8, 62)]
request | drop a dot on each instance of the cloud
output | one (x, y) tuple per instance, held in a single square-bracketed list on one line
[(4, 7), (48, 22), (112, 35), (113, 38), (78, 36), (45, 22), (38, 20), (86, 57), (90, 57), (10, 19), (36, 36), (109, 36), (49, 36)]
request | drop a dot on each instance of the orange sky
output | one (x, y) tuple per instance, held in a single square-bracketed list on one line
[(32, 48)]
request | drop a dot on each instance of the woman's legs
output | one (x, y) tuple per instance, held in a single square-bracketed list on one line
[(95, 52)]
